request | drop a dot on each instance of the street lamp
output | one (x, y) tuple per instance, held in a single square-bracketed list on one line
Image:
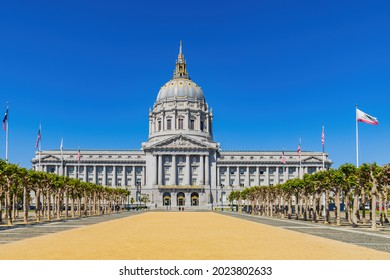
[(139, 194), (232, 196), (222, 196)]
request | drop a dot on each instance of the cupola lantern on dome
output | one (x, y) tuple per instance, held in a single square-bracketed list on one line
[(180, 86), (180, 70)]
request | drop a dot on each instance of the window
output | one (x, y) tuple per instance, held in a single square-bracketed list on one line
[(180, 181), (261, 171), (272, 170), (100, 181), (159, 126), (169, 124), (192, 124), (180, 170), (292, 170), (194, 181), (181, 122), (119, 181), (281, 170), (194, 169), (311, 170), (109, 181)]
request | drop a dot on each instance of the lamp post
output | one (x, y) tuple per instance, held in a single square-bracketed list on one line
[(232, 196), (138, 195), (222, 196)]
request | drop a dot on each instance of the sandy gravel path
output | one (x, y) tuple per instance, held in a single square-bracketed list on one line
[(183, 236)]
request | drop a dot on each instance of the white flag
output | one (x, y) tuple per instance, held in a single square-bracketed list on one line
[(363, 117)]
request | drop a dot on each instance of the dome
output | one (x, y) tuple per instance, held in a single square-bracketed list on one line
[(180, 88)]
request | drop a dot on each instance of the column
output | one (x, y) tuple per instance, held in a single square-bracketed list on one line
[(66, 171), (155, 170), (173, 171), (218, 181), (237, 176), (187, 171), (104, 176), (124, 175), (94, 175), (134, 176), (247, 180), (207, 170), (257, 176), (85, 174), (201, 170), (114, 177), (160, 170), (266, 176), (227, 177)]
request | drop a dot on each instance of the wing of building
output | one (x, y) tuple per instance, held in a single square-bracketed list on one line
[(180, 164)]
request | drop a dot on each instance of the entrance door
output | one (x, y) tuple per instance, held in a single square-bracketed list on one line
[(194, 199), (181, 199), (167, 199)]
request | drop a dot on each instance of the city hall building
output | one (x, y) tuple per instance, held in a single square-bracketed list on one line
[(180, 164)]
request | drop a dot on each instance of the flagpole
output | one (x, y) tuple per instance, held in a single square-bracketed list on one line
[(62, 156), (78, 165), (6, 135), (39, 147), (300, 159), (323, 147), (357, 139)]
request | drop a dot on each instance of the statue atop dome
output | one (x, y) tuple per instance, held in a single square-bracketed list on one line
[(180, 70)]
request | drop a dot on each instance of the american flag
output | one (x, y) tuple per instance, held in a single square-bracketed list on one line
[(38, 139), (78, 156), (299, 150), (323, 137), (283, 157), (5, 120)]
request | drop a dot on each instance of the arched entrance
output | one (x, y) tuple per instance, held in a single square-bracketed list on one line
[(194, 199), (181, 199), (166, 199)]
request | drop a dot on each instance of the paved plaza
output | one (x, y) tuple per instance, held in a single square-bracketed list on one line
[(190, 236)]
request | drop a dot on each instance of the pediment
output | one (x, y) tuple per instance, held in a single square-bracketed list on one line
[(180, 142), (312, 158), (50, 158)]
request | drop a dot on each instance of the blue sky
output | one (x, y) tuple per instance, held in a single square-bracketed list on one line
[(273, 72)]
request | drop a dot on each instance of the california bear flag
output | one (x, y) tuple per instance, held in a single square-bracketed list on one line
[(363, 117)]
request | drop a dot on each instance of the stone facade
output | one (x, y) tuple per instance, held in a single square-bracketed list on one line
[(180, 164)]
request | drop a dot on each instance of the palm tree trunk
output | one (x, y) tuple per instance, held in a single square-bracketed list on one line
[(355, 209), (25, 205), (72, 210), (314, 217), (48, 202), (327, 214), (9, 207), (66, 205), (373, 211), (79, 206), (337, 205), (59, 205), (14, 205), (1, 207), (38, 205), (363, 195)]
